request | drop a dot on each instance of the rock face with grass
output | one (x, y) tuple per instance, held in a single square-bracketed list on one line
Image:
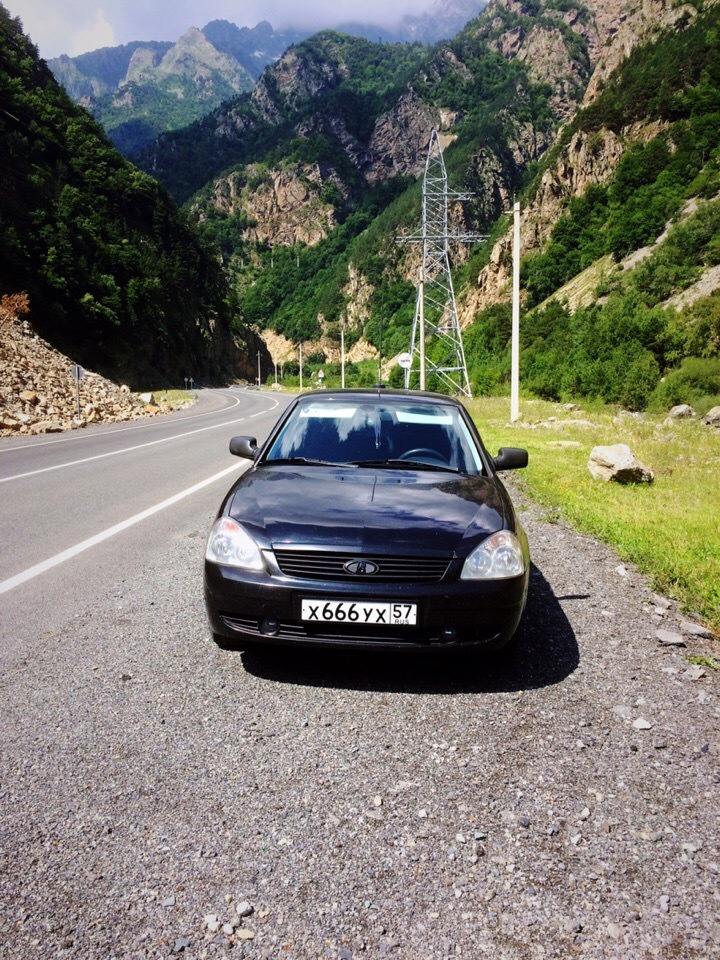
[(618, 463)]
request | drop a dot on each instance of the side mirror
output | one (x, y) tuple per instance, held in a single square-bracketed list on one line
[(244, 447), (510, 458)]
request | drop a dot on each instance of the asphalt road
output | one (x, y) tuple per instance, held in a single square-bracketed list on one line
[(561, 802), (57, 492)]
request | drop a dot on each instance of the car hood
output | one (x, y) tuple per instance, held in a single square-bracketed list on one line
[(379, 511)]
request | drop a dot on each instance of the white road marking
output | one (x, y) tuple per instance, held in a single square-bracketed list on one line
[(139, 446), (59, 558), (71, 435)]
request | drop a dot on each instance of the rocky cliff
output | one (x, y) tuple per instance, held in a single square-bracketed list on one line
[(285, 208)]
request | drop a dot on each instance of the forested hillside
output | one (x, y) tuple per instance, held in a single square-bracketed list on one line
[(116, 276), (632, 336), (319, 103)]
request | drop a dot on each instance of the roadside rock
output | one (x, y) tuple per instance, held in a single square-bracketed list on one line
[(712, 418), (681, 411), (619, 464), (38, 394)]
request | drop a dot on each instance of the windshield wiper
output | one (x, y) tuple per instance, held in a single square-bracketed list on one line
[(403, 465), (308, 462)]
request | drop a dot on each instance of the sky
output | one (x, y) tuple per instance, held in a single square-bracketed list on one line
[(76, 26)]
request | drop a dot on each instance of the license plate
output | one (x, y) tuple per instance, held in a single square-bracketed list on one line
[(359, 611)]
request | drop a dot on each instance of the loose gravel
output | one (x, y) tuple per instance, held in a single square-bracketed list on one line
[(163, 798)]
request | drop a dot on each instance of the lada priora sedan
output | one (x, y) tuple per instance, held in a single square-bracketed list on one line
[(369, 518)]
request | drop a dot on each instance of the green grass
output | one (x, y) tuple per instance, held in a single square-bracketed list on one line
[(174, 398), (703, 662), (670, 529)]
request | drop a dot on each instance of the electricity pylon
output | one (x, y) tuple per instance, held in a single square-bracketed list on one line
[(436, 317)]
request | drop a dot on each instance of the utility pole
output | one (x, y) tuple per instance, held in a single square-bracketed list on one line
[(435, 310), (258, 368), (300, 347), (515, 349), (421, 305), (275, 362), (342, 356)]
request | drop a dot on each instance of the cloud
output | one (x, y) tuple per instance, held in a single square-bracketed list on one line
[(94, 34)]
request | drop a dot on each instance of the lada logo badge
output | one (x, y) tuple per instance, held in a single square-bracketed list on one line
[(364, 568)]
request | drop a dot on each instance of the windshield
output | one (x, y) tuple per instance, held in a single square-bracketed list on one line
[(393, 432)]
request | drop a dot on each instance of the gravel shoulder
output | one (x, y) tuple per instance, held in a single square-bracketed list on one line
[(558, 802)]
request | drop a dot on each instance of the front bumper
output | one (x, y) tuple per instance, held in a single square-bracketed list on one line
[(453, 613)]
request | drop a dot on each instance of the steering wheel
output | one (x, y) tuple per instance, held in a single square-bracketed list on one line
[(418, 453)]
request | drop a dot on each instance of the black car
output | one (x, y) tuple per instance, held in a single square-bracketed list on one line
[(369, 518)]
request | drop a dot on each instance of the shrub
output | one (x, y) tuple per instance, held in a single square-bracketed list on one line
[(697, 382), (640, 380)]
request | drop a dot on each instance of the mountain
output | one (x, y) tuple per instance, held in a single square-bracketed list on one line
[(601, 117), (252, 47), (141, 89), (92, 75), (116, 276), (339, 127)]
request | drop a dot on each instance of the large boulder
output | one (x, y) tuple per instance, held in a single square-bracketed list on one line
[(619, 464), (712, 418), (681, 412)]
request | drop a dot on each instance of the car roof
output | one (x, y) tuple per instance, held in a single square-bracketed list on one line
[(382, 393)]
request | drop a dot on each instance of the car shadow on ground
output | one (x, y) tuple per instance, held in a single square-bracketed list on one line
[(545, 653)]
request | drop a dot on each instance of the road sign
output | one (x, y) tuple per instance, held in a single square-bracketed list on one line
[(77, 373), (405, 361)]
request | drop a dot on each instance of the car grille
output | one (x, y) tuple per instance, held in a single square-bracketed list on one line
[(335, 633), (326, 565)]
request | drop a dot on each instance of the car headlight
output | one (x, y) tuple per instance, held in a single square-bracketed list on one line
[(498, 557), (228, 543)]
